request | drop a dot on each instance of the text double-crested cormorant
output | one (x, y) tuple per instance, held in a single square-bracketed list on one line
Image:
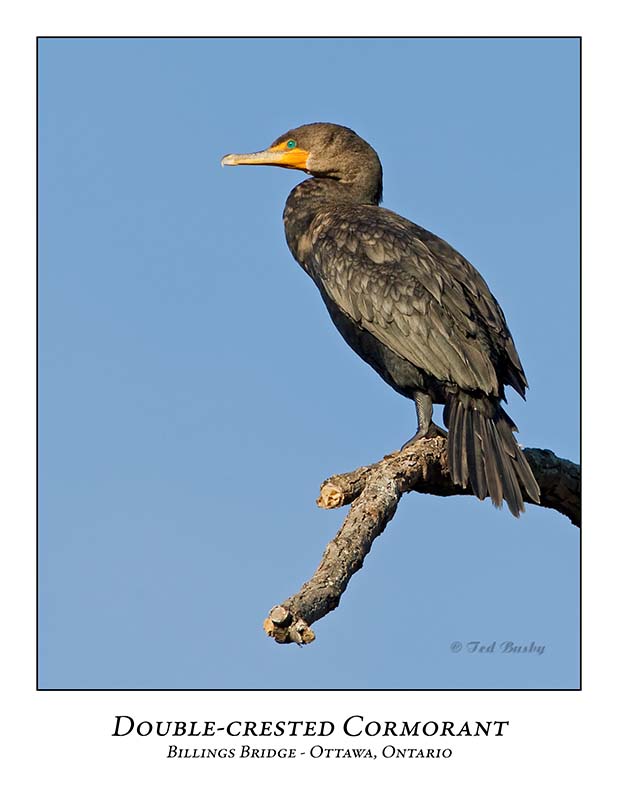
[(408, 304)]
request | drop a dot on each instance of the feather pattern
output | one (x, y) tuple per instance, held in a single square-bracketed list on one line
[(415, 286)]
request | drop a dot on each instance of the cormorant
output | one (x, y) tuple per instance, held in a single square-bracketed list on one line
[(407, 303)]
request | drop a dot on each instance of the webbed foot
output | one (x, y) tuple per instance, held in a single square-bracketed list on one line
[(433, 431)]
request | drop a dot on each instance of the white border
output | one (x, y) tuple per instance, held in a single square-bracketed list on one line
[(59, 742)]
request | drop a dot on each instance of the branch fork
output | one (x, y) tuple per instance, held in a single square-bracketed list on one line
[(373, 493)]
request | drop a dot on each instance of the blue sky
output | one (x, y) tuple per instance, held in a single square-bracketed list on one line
[(194, 394)]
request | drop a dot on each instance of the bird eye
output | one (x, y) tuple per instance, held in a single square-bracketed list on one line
[(291, 143)]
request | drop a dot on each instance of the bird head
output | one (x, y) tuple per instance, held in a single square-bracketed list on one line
[(321, 149)]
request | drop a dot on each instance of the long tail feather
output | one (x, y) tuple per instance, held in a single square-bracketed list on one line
[(483, 452)]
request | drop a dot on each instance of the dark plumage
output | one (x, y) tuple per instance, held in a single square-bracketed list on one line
[(407, 303)]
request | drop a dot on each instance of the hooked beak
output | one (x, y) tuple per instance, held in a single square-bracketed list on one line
[(278, 156)]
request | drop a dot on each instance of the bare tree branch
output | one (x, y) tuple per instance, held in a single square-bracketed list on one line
[(374, 492)]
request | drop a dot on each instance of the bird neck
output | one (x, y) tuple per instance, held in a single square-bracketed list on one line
[(317, 194)]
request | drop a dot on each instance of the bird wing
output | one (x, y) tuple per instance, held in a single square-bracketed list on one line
[(416, 295)]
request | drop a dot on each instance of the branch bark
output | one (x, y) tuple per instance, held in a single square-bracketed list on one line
[(374, 492)]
